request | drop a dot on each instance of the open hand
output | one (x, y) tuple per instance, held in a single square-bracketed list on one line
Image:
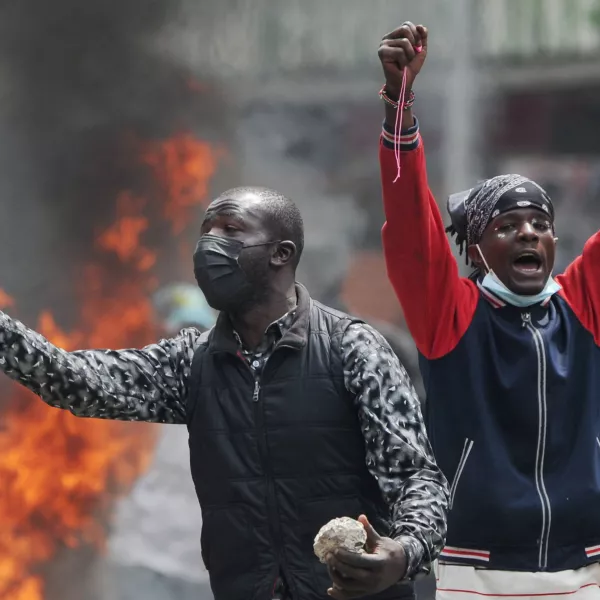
[(356, 575), (398, 51)]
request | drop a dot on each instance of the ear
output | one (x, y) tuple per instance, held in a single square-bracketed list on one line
[(284, 253), (475, 258)]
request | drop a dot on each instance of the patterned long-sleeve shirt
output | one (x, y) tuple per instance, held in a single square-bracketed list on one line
[(151, 384)]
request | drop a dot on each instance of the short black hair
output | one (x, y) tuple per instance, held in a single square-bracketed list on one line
[(283, 217)]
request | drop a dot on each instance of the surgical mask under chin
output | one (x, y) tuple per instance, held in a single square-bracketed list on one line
[(492, 283)]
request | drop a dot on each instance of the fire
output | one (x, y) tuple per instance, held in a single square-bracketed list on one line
[(184, 165), (123, 238), (59, 472), (5, 300)]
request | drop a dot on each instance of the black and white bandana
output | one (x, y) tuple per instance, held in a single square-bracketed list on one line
[(471, 211)]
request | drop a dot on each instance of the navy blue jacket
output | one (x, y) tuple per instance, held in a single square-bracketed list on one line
[(513, 395)]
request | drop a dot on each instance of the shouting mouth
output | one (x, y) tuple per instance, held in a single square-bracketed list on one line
[(528, 262)]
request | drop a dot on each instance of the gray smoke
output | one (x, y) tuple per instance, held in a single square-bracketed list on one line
[(75, 79)]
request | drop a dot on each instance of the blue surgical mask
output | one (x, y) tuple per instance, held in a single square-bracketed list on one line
[(492, 283)]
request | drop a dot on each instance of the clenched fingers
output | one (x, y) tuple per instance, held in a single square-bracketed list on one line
[(408, 31), (397, 51), (423, 34), (367, 562), (350, 586)]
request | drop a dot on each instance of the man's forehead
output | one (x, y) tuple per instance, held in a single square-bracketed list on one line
[(242, 204)]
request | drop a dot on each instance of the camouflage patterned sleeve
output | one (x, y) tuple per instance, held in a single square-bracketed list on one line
[(129, 385), (398, 452)]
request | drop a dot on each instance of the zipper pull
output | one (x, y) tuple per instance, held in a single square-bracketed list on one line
[(256, 391), (526, 317)]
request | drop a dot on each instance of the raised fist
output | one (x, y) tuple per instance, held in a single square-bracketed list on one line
[(403, 48)]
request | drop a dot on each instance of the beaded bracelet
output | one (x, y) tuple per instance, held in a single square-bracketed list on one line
[(405, 105)]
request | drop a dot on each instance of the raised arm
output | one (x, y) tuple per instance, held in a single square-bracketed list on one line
[(398, 452), (581, 286), (130, 385), (438, 305)]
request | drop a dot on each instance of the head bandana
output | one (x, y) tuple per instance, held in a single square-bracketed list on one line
[(472, 210)]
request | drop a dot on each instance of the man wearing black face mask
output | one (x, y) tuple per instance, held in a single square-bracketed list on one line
[(296, 414)]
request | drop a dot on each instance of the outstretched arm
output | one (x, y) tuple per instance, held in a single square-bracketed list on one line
[(438, 305), (398, 452), (130, 385), (581, 286)]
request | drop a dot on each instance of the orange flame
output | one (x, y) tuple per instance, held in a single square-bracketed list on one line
[(5, 300), (123, 238), (183, 165), (56, 471)]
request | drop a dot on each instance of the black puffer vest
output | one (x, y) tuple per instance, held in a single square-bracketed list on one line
[(276, 458)]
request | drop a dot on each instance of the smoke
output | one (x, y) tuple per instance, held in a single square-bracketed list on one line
[(76, 67), (82, 88), (79, 81)]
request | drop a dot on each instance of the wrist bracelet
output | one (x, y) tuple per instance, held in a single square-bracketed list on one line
[(405, 105)]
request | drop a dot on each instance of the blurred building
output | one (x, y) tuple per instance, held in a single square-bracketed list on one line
[(542, 91)]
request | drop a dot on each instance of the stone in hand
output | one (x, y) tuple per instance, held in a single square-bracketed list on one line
[(343, 533)]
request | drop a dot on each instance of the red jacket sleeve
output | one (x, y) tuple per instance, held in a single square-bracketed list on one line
[(438, 304), (581, 286)]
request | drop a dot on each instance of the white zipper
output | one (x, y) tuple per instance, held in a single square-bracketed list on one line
[(461, 465), (538, 341), (256, 392)]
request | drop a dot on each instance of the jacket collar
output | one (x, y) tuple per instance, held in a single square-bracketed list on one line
[(222, 338)]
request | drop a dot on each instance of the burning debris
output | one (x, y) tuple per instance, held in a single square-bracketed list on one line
[(59, 472), (183, 166), (5, 300), (103, 170)]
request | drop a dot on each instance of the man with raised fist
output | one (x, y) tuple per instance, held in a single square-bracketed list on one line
[(510, 358)]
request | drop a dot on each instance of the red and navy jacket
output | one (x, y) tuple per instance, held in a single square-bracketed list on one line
[(513, 394)]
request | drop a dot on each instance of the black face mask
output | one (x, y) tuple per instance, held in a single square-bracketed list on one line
[(220, 277)]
